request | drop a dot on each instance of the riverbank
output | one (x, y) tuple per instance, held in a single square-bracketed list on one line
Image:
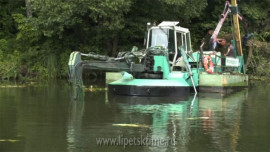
[(259, 78)]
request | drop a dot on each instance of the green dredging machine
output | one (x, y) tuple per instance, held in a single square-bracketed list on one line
[(168, 66)]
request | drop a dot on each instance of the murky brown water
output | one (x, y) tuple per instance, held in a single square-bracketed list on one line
[(44, 118)]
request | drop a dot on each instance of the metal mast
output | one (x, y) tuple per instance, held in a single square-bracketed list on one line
[(237, 35)]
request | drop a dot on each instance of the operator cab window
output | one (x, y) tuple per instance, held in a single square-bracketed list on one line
[(179, 43), (162, 37)]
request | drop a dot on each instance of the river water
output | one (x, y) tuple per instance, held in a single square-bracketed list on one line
[(45, 117)]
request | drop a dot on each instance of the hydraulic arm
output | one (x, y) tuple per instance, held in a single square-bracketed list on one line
[(233, 9)]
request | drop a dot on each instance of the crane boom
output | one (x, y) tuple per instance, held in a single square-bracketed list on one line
[(221, 21)]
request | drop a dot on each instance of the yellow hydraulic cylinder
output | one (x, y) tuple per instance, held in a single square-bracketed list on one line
[(236, 29)]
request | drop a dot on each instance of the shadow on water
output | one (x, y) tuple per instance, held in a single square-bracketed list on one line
[(191, 123)]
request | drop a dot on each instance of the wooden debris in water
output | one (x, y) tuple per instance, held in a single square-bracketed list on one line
[(132, 125), (13, 86), (194, 118), (94, 89), (9, 140)]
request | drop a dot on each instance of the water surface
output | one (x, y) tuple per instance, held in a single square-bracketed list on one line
[(44, 117)]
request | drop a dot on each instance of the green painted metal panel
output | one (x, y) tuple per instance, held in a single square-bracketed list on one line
[(150, 82), (161, 61), (177, 75), (196, 57), (241, 67), (195, 76)]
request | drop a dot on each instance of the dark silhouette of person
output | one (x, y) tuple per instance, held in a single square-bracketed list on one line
[(230, 51)]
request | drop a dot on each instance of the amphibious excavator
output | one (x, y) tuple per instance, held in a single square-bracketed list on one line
[(168, 66)]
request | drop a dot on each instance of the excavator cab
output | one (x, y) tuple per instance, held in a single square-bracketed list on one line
[(171, 37)]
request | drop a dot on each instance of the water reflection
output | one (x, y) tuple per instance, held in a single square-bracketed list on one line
[(208, 119), (224, 114), (76, 112), (170, 118)]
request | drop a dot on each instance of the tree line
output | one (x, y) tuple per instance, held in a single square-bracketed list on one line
[(37, 36)]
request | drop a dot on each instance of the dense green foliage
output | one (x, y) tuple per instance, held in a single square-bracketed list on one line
[(36, 41)]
